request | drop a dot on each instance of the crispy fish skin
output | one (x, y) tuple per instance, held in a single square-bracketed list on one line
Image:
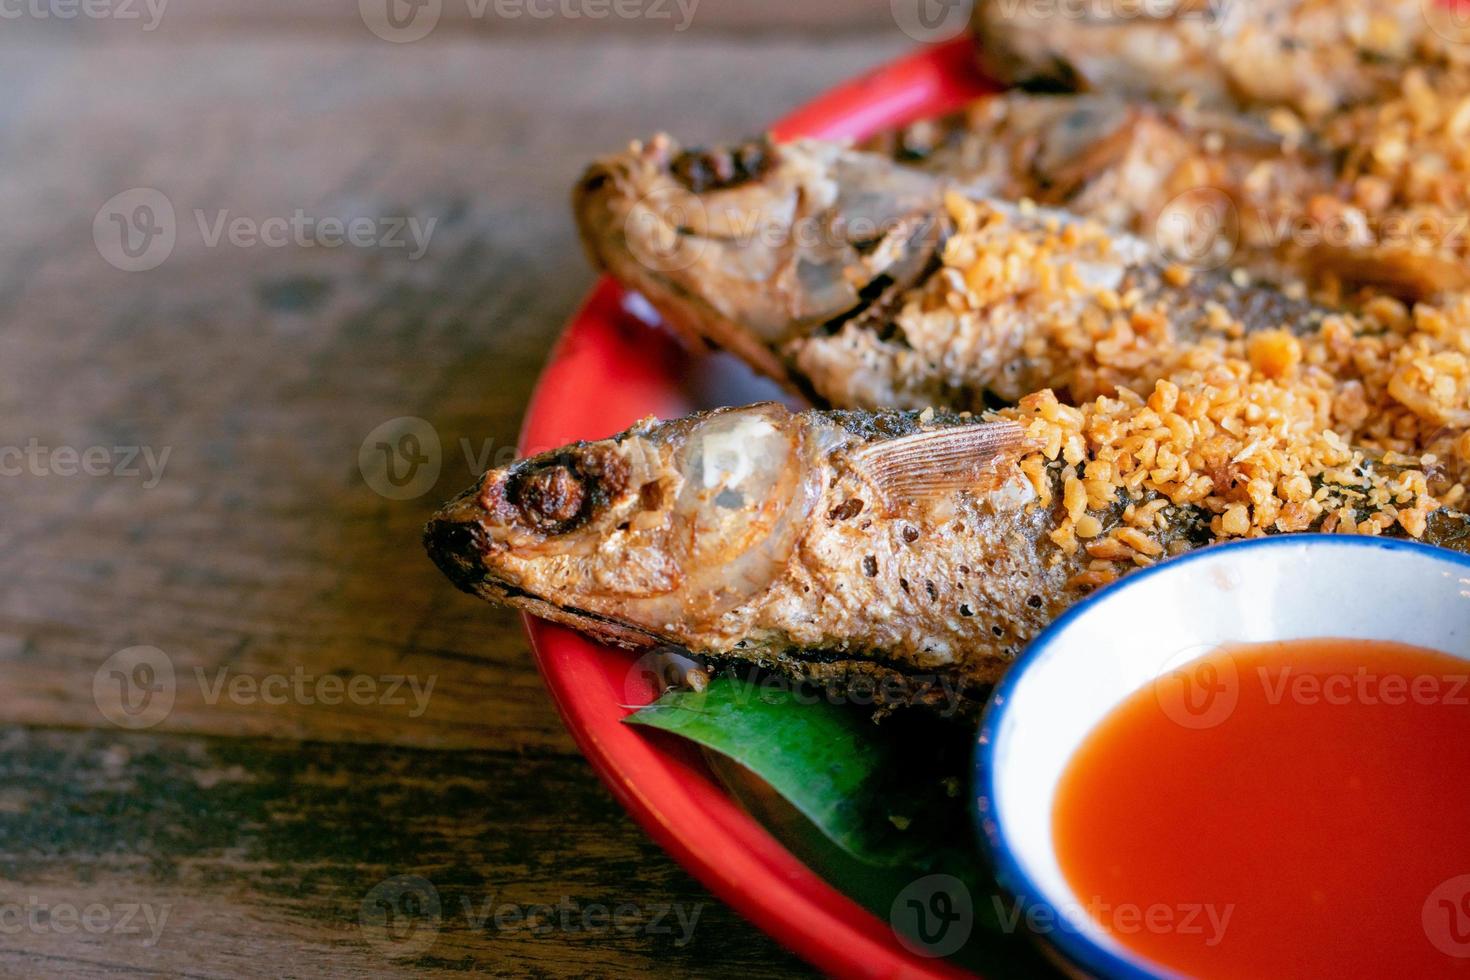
[(912, 553), (1317, 208), (1109, 158), (809, 270), (753, 535), (1126, 162), (1313, 56)]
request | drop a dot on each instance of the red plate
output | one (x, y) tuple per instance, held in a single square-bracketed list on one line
[(610, 369)]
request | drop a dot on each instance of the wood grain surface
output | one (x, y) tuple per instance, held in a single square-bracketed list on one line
[(181, 491)]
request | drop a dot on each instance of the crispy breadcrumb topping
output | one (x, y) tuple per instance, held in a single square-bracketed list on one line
[(1356, 426), (1410, 154)]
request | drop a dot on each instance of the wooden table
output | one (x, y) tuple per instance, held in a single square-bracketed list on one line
[(248, 827)]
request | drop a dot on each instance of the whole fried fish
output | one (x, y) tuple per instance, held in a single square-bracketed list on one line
[(1313, 56), (831, 270), (911, 553)]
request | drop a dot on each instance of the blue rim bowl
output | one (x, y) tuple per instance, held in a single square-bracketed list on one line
[(1349, 583)]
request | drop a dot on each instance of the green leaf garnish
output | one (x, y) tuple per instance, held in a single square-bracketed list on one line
[(886, 794), (870, 807)]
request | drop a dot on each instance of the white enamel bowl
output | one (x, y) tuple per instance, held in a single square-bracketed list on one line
[(1140, 631)]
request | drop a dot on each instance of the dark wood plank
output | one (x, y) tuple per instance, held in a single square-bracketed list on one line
[(215, 858)]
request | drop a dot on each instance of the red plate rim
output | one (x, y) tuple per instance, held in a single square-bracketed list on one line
[(602, 376)]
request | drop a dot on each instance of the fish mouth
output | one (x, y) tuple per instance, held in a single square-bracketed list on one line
[(458, 548), (459, 542)]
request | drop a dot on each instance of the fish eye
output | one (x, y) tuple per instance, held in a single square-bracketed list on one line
[(551, 496)]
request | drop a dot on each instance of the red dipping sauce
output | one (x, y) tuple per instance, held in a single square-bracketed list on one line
[(1294, 809)]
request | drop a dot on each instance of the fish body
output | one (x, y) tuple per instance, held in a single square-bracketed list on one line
[(1328, 208), (912, 553), (753, 535), (832, 270), (1115, 160), (1313, 56)]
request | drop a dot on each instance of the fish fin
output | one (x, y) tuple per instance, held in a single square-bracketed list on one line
[(931, 464)]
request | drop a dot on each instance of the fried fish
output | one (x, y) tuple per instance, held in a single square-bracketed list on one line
[(1374, 197), (781, 240), (1120, 161), (915, 554), (1313, 56), (833, 270)]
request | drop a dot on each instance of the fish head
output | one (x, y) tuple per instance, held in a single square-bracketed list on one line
[(669, 524), (745, 247)]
